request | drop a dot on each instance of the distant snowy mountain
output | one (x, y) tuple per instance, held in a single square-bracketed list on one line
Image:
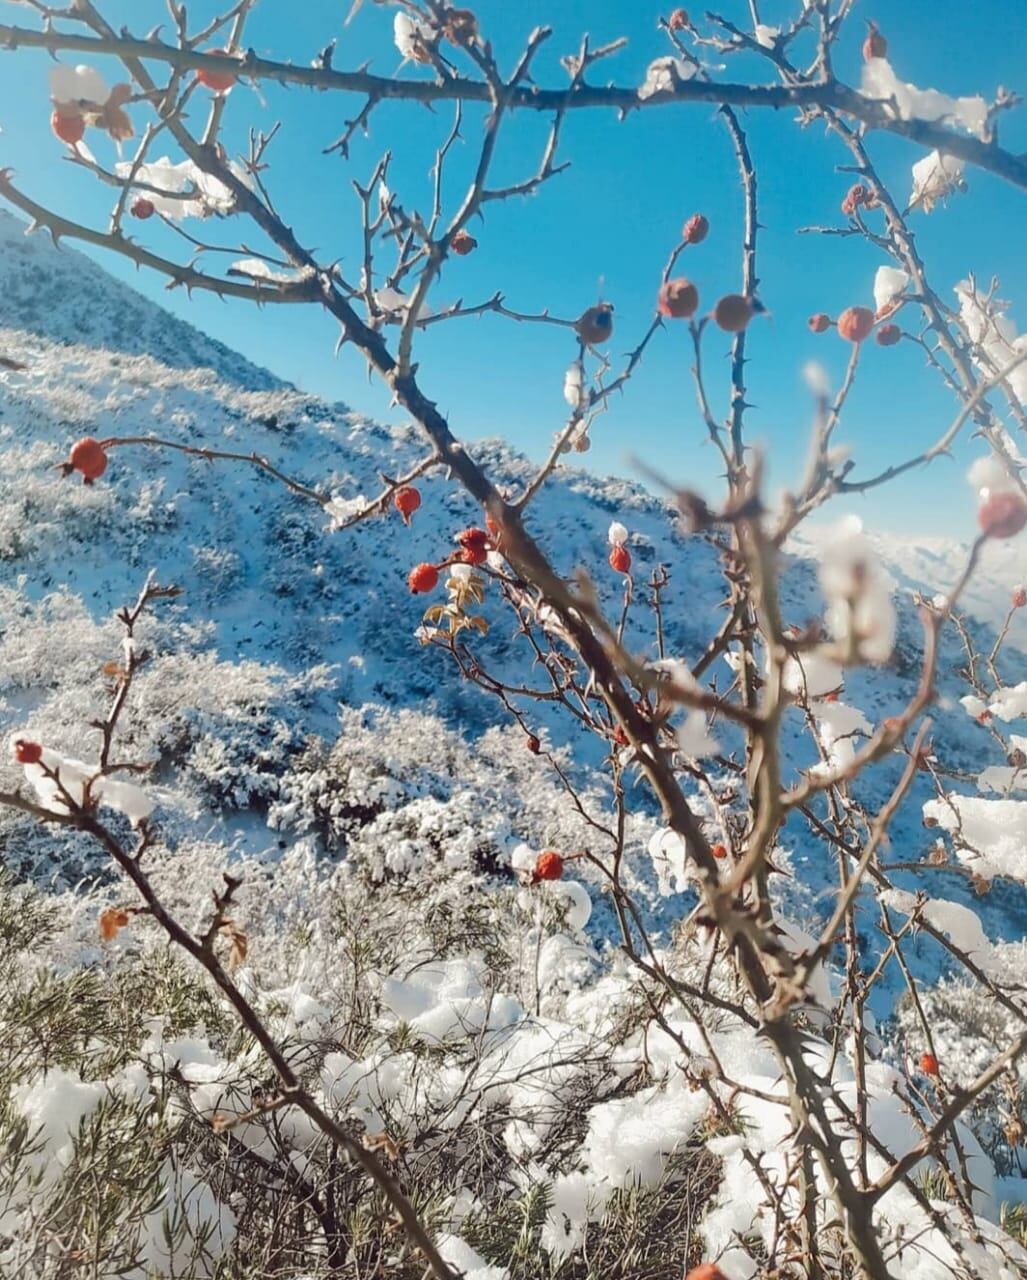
[(282, 619)]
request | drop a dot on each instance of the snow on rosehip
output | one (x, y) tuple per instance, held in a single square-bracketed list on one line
[(423, 578), (89, 457), (733, 313), (142, 208), (888, 335), (596, 324), (928, 1064), (406, 500), (68, 124), (617, 535), (548, 867), (855, 324), (819, 323), (1019, 597), (696, 229), (620, 560), (1002, 515), (678, 299), (216, 81), (27, 751), (463, 243)]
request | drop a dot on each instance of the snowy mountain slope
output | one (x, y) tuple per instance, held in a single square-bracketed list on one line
[(282, 619)]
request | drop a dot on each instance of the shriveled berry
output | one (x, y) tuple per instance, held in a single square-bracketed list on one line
[(888, 335), (678, 20), (548, 867), (143, 208), (678, 299), (89, 457), (696, 229), (620, 559), (463, 243), (216, 81), (1002, 515), (1019, 597), (533, 744), (856, 323), (819, 323), (68, 125), (422, 578), (928, 1064), (596, 324), (733, 313), (854, 197), (460, 26), (406, 501), (27, 752)]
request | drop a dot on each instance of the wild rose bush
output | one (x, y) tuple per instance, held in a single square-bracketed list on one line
[(284, 1062)]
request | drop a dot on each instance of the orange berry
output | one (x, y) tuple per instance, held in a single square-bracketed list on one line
[(68, 124), (26, 752), (678, 299), (406, 501), (928, 1064), (422, 578), (620, 559), (678, 20), (143, 208), (548, 867), (707, 1271), (88, 456), (1002, 515), (719, 850), (463, 243), (888, 335), (216, 81), (733, 313), (696, 229), (819, 323), (856, 323), (875, 45)]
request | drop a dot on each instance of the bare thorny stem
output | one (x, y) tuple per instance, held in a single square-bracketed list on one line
[(736, 900)]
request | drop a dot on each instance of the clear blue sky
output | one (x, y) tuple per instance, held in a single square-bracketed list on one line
[(611, 218)]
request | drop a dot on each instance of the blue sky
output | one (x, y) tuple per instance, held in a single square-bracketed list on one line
[(606, 224)]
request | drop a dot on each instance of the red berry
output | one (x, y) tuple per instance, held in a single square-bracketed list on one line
[(216, 81), (1020, 597), (475, 554), (888, 335), (88, 456), (696, 229), (620, 559), (928, 1064), (423, 577), (678, 20), (620, 737), (406, 501), (855, 323), (533, 744), (1002, 515), (143, 208), (548, 867), (707, 1271), (678, 299), (819, 323), (875, 45), (463, 244), (475, 545), (719, 851), (733, 313), (854, 197), (26, 752), (68, 124)]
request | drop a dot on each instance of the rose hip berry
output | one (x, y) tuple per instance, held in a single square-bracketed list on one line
[(620, 559), (406, 501), (548, 867), (856, 323), (678, 299), (422, 578), (89, 457)]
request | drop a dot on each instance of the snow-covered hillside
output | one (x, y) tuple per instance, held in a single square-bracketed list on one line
[(283, 619)]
